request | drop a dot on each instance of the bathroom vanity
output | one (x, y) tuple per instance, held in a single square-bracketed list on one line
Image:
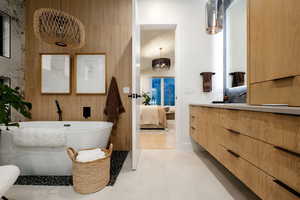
[(260, 145)]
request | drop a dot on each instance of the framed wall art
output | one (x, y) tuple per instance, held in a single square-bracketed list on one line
[(90, 73), (55, 73)]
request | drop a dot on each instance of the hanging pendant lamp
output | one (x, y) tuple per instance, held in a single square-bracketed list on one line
[(161, 63), (58, 28), (214, 16)]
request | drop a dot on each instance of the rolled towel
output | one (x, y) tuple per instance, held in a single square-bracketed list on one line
[(39, 137), (90, 155)]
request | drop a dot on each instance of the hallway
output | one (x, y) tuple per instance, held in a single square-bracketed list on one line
[(159, 139)]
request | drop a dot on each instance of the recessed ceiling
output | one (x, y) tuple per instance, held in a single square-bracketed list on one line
[(151, 42)]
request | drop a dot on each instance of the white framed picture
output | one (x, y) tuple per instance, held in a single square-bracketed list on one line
[(55, 73), (90, 73)]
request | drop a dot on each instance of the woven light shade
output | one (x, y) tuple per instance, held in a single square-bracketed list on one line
[(58, 28)]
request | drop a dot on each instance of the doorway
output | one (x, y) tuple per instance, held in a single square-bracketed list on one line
[(157, 87)]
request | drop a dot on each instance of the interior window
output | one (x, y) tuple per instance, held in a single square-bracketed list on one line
[(163, 91), (169, 91), (5, 35), (156, 91)]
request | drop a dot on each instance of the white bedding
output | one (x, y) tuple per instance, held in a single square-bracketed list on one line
[(149, 115), (153, 116)]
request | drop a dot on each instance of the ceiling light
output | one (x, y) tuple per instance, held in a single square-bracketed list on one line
[(161, 63), (58, 28)]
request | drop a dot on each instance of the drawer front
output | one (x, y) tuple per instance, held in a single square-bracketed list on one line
[(194, 122), (212, 115), (202, 126), (295, 100), (194, 111), (271, 92), (193, 133), (258, 181), (229, 118), (275, 161), (198, 125), (212, 140), (276, 129)]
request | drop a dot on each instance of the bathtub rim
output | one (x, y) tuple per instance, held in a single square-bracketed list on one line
[(101, 125)]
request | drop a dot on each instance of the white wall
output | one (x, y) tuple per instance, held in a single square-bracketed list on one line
[(196, 52)]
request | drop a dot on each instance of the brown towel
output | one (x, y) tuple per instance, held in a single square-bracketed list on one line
[(207, 81), (238, 79), (114, 106)]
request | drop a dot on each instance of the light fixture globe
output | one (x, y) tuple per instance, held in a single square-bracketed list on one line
[(58, 28), (161, 64)]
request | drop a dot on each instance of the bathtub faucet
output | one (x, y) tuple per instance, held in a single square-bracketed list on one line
[(59, 111)]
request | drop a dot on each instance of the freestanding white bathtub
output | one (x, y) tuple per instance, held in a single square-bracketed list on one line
[(52, 160)]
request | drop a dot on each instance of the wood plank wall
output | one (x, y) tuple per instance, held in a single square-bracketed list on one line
[(108, 30)]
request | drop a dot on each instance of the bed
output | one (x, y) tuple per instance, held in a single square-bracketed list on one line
[(153, 117)]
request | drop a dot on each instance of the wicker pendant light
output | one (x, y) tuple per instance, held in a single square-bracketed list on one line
[(58, 28)]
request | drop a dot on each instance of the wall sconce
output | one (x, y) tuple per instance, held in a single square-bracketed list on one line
[(207, 81)]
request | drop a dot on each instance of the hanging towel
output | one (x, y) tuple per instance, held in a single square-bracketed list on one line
[(114, 106), (238, 79)]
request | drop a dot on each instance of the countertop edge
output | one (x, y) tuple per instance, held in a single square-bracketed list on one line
[(270, 109)]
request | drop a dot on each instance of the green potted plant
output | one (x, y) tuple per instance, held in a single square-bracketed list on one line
[(146, 99), (10, 97)]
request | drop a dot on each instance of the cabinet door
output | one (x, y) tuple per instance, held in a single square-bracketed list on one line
[(279, 91), (274, 39), (271, 92)]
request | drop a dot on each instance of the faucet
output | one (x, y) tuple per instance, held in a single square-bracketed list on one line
[(59, 111), (243, 93)]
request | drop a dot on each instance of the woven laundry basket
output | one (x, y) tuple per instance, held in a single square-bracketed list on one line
[(90, 177)]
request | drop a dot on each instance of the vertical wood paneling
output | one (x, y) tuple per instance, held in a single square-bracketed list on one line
[(274, 39), (108, 30)]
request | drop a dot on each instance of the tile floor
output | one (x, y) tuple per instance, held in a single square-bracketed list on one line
[(162, 175)]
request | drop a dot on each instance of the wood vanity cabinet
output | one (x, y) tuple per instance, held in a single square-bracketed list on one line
[(273, 52), (261, 149)]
